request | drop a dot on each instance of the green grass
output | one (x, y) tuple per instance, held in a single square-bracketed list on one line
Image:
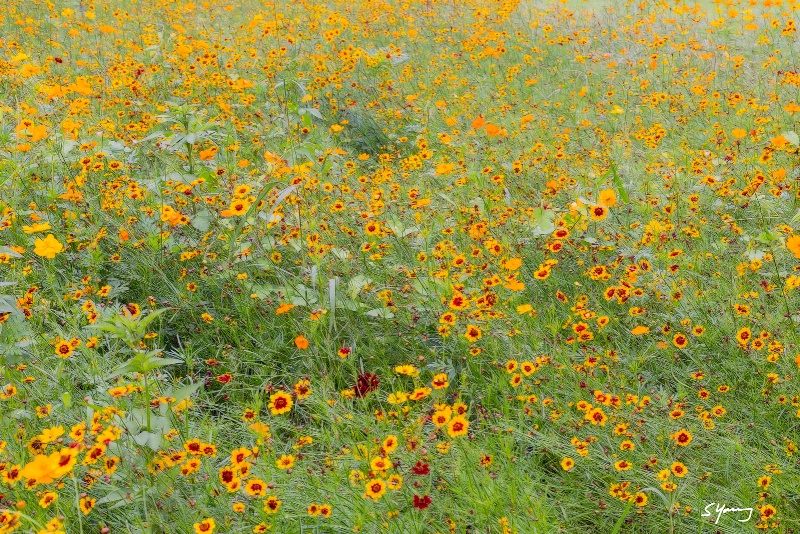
[(258, 176)]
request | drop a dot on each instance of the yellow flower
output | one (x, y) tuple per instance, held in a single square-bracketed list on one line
[(286, 461), (48, 247), (444, 168), (39, 227), (45, 469), (375, 489), (608, 198), (457, 426), (280, 403), (206, 526), (524, 308), (48, 498)]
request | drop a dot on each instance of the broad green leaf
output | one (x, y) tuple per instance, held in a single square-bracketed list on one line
[(383, 313), (148, 439)]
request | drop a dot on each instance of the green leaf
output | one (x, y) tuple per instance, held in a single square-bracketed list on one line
[(792, 137), (202, 221), (157, 363), (145, 321), (543, 221), (621, 519), (620, 187), (148, 439), (767, 236), (383, 313), (186, 391)]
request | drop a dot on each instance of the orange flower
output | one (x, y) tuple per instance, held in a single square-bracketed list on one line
[(793, 244), (284, 307), (779, 141), (301, 342), (492, 130), (608, 198)]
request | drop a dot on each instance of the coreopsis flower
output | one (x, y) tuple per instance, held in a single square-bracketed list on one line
[(280, 403), (47, 247), (375, 489)]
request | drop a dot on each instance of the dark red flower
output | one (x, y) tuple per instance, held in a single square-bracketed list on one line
[(366, 382), (421, 469), (422, 503)]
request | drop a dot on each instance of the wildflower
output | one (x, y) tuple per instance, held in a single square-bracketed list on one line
[(421, 503), (47, 247), (596, 416), (286, 461), (271, 504), (473, 333), (375, 488), (622, 465), (64, 349), (48, 498), (87, 504), (678, 469), (206, 526), (283, 308), (598, 213), (793, 244), (255, 487), (682, 437), (608, 198), (302, 389), (280, 403), (47, 468), (380, 464), (394, 482), (366, 383), (440, 381), (457, 426), (420, 468)]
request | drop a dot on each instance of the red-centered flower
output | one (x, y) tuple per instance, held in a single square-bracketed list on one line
[(224, 379), (421, 469), (366, 382), (422, 503)]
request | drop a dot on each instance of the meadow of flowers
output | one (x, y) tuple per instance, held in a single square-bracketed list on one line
[(408, 266)]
